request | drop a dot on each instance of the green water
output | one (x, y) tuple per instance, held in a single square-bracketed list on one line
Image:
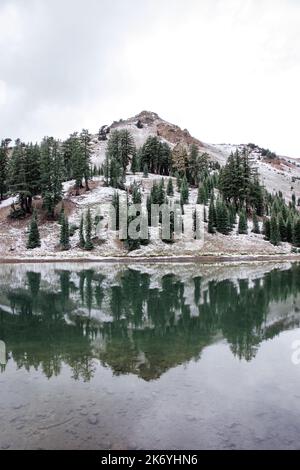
[(156, 357)]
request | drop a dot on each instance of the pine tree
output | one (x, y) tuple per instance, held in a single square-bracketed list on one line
[(223, 225), (267, 228), (184, 192), (85, 155), (296, 238), (178, 181), (32, 171), (170, 189), (134, 163), (126, 149), (202, 195), (243, 225), (81, 233), (77, 160), (211, 217), (17, 176), (180, 159), (282, 228), (274, 231), (34, 235), (61, 215), (65, 234), (197, 165), (161, 195), (88, 232), (116, 205), (51, 174), (156, 155), (255, 224), (3, 167), (136, 194), (289, 230)]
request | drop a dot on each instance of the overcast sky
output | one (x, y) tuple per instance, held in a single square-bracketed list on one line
[(228, 70)]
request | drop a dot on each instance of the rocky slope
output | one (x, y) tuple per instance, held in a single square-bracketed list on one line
[(280, 173)]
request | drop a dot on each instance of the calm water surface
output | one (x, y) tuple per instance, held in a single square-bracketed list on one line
[(156, 357)]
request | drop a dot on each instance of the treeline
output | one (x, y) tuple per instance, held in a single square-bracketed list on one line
[(241, 196), (154, 157), (32, 169)]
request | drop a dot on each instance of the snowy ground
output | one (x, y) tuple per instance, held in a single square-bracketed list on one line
[(13, 234)]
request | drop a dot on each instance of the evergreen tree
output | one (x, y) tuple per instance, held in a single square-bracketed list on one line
[(161, 195), (223, 224), (232, 215), (255, 224), (202, 195), (211, 217), (289, 230), (197, 165), (51, 174), (65, 234), (17, 176), (239, 185), (136, 194), (178, 181), (116, 205), (34, 235), (180, 159), (296, 240), (81, 233), (156, 155), (267, 228), (88, 232), (282, 228), (3, 167), (134, 163), (184, 192), (243, 225), (61, 215), (32, 171), (274, 231), (85, 155), (126, 149), (77, 160), (170, 189)]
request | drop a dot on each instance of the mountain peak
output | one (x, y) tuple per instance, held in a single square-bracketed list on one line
[(147, 117)]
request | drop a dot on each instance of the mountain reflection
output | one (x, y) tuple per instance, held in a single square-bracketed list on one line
[(133, 326)]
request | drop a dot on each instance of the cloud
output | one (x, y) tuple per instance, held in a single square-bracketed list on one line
[(226, 69)]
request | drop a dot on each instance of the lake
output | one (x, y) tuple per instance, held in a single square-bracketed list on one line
[(158, 356)]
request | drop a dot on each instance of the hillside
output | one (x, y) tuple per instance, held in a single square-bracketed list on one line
[(275, 174), (281, 173)]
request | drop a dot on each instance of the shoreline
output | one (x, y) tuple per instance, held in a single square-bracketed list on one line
[(209, 259)]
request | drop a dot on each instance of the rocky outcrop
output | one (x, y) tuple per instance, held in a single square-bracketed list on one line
[(175, 135)]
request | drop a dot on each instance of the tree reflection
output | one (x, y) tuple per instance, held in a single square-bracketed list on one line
[(134, 327)]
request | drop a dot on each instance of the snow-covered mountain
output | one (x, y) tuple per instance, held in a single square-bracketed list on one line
[(277, 173)]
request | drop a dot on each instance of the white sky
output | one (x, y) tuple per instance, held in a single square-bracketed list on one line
[(228, 70)]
